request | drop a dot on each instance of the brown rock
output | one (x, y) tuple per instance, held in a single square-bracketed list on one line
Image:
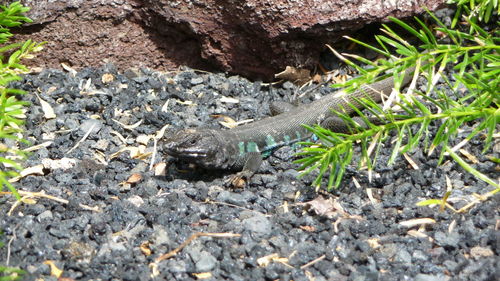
[(256, 38), (84, 33)]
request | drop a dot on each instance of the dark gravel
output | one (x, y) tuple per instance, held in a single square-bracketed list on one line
[(364, 241)]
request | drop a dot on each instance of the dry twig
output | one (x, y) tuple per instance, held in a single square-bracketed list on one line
[(83, 138), (190, 239), (28, 194), (312, 262)]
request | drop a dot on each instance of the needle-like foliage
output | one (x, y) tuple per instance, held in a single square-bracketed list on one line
[(473, 56), (12, 109)]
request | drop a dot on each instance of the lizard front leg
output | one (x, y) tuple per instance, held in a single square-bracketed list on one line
[(251, 165)]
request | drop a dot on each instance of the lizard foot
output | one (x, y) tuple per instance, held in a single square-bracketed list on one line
[(239, 180)]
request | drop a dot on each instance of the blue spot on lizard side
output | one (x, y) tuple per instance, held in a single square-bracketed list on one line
[(252, 147), (287, 139), (296, 145), (241, 148), (270, 142)]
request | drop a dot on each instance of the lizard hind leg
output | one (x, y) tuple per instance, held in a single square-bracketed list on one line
[(339, 125), (278, 107)]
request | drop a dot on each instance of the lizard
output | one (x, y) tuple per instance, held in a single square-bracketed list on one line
[(242, 148)]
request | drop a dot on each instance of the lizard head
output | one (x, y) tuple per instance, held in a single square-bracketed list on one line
[(199, 146)]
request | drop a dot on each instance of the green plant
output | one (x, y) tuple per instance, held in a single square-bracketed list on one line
[(11, 109), (9, 273), (474, 55), (475, 10)]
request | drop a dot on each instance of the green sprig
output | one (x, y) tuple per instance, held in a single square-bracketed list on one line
[(12, 109), (474, 56)]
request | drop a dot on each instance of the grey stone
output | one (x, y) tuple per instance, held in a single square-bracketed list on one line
[(429, 277), (259, 224), (86, 125), (447, 239), (118, 247), (160, 235), (102, 144), (231, 198), (450, 265), (177, 266), (206, 262), (403, 257), (196, 80), (420, 255), (45, 215)]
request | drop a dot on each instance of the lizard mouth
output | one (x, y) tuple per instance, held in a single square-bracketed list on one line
[(185, 153), (180, 152)]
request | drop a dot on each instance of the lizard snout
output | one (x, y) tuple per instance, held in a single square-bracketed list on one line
[(186, 144)]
